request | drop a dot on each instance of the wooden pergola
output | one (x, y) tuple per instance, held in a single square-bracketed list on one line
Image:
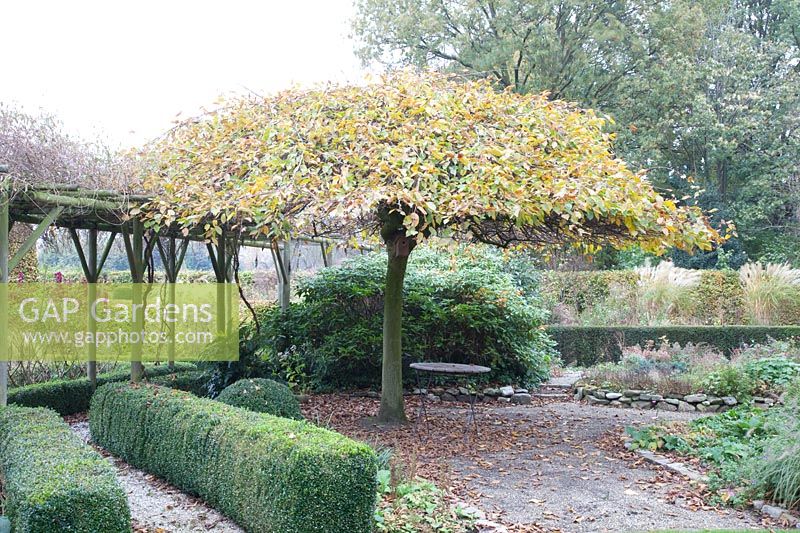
[(107, 213)]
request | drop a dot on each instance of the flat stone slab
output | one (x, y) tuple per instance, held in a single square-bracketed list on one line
[(450, 368), (564, 381)]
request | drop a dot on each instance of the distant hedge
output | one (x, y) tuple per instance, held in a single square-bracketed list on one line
[(194, 381), (267, 473), (587, 345), (53, 481), (70, 396)]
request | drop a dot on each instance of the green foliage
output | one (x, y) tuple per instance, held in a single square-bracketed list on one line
[(417, 506), (730, 443), (753, 451), (654, 438), (123, 275), (252, 348), (584, 289), (457, 309), (262, 396), (718, 299), (266, 473), (777, 472), (776, 371), (587, 345), (730, 381), (54, 482), (195, 381), (700, 89), (70, 396)]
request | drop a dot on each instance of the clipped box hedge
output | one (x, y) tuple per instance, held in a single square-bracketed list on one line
[(53, 481), (70, 396), (588, 345), (269, 474)]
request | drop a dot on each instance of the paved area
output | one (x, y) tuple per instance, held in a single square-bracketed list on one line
[(565, 380), (157, 506), (567, 480)]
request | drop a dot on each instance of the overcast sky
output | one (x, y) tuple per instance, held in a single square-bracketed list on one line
[(123, 69)]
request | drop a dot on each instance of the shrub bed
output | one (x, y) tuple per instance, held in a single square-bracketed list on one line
[(53, 481), (262, 396), (267, 473), (731, 446), (70, 396), (693, 377), (463, 310), (588, 345)]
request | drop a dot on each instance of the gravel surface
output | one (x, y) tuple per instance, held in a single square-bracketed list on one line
[(566, 481), (157, 506)]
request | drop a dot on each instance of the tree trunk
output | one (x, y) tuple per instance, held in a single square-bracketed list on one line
[(392, 409)]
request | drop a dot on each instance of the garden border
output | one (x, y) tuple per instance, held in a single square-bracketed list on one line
[(644, 399), (771, 511)]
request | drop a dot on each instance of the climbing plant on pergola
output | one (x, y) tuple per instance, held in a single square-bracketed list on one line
[(404, 158), (50, 180), (118, 215)]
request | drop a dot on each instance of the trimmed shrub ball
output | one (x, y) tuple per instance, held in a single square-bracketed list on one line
[(262, 396)]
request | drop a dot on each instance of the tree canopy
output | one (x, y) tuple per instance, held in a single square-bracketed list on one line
[(702, 90), (433, 153), (404, 158)]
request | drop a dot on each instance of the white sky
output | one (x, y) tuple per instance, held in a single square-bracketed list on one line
[(123, 69)]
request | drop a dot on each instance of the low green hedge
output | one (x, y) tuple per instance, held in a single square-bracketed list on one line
[(194, 381), (262, 396), (53, 481), (269, 474), (70, 396), (587, 345)]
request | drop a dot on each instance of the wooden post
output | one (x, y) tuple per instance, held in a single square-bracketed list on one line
[(91, 367), (134, 246), (4, 252), (172, 258), (92, 266), (221, 256)]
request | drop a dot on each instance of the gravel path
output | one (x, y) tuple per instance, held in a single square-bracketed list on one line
[(565, 481), (159, 507)]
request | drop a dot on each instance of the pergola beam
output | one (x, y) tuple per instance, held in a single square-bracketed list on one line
[(74, 208)]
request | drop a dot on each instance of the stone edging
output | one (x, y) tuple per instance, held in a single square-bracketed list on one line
[(641, 399), (507, 394), (772, 511)]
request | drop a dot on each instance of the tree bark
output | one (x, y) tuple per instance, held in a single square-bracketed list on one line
[(392, 410)]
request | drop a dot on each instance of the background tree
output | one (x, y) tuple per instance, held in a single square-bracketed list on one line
[(702, 90), (405, 159)]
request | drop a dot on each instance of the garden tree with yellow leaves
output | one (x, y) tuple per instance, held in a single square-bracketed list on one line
[(405, 158)]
